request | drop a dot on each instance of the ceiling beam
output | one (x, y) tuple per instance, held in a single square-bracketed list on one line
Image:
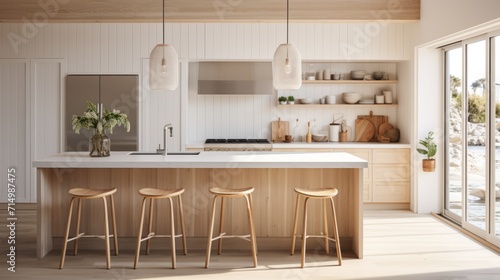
[(207, 10)]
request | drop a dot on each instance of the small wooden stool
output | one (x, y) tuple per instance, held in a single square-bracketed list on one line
[(152, 194), (322, 194), (223, 193), (79, 194)]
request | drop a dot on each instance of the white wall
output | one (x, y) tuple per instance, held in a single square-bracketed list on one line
[(442, 18), (57, 49), (464, 19), (250, 116)]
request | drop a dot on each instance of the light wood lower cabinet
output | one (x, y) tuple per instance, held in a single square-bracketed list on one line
[(387, 178), (391, 180)]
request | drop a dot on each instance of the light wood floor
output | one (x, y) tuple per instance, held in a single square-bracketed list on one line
[(398, 245)]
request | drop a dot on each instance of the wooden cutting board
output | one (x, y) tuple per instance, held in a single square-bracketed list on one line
[(279, 129), (364, 130), (376, 120), (382, 131)]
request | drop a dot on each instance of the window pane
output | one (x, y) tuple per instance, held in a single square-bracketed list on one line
[(455, 131), (476, 134)]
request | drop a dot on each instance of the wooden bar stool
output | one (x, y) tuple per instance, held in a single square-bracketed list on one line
[(223, 193), (152, 194), (322, 194), (79, 194)]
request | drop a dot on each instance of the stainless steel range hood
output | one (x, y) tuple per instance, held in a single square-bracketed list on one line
[(253, 78)]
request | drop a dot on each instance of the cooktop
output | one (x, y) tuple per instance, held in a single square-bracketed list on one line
[(236, 141)]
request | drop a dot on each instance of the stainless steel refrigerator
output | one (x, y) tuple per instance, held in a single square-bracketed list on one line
[(114, 92)]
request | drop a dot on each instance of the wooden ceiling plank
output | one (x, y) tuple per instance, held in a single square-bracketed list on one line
[(209, 11)]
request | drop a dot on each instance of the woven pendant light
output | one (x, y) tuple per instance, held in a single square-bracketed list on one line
[(287, 64), (163, 65)]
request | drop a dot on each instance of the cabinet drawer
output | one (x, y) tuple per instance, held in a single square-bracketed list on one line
[(393, 192), (391, 155), (391, 172)]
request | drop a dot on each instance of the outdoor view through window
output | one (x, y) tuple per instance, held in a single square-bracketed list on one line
[(473, 135)]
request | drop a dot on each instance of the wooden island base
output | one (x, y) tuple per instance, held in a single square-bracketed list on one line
[(273, 200)]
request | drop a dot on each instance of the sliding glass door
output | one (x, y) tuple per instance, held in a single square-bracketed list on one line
[(455, 138), (495, 141), (472, 175), (476, 135)]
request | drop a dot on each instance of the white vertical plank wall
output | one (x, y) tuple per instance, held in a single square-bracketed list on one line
[(14, 117), (46, 108), (119, 48)]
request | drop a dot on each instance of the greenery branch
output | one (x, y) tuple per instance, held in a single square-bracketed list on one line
[(430, 147), (103, 123)]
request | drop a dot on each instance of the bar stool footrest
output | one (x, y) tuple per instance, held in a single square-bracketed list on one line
[(222, 236)]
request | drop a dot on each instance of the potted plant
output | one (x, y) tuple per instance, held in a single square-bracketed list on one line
[(430, 149), (101, 121), (282, 100), (291, 100)]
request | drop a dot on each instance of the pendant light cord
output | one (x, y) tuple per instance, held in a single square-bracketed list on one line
[(163, 22), (287, 21)]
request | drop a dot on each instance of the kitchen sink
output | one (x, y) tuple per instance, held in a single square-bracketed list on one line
[(159, 154)]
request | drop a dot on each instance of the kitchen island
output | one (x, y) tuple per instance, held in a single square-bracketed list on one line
[(273, 175)]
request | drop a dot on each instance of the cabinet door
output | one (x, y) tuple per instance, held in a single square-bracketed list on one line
[(120, 92), (367, 192), (391, 176), (391, 192), (79, 90), (14, 148)]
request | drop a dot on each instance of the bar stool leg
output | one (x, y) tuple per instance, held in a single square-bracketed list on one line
[(139, 235), (106, 234), (183, 228), (150, 223), (304, 235), (221, 224), (294, 232), (210, 233), (65, 243), (172, 232), (113, 221), (77, 230), (252, 230), (336, 233), (325, 226)]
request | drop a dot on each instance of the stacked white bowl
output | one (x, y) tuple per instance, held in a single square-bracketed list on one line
[(357, 75), (306, 100), (351, 97), (330, 99)]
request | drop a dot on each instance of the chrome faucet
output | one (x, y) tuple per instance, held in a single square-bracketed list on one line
[(164, 150)]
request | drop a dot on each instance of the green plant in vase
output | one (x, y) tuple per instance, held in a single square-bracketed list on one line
[(430, 149), (282, 100), (101, 121)]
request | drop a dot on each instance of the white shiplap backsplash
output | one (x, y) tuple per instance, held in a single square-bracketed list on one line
[(250, 116)]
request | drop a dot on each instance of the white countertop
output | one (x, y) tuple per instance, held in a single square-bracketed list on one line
[(321, 145), (204, 160), (339, 145)]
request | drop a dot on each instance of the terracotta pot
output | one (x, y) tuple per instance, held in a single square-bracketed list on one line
[(428, 165)]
